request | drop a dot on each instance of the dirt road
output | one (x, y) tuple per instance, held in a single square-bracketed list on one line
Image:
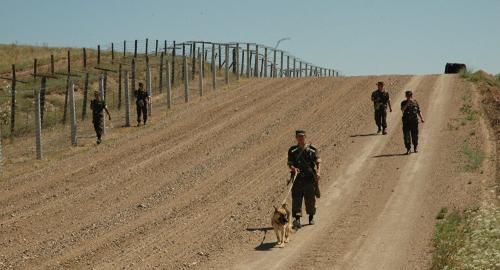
[(195, 189)]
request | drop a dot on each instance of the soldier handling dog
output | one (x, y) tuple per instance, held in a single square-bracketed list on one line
[(304, 164)]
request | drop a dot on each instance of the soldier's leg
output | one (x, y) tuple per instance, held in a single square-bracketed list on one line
[(383, 118), (406, 135), (414, 135), (297, 194), (310, 201), (377, 120), (139, 111), (145, 113)]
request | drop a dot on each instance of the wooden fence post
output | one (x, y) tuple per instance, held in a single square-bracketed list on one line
[(203, 58), (265, 62), (38, 126), (294, 67), (256, 67), (193, 65), (220, 56), (43, 87), (183, 56), (146, 49), (201, 74), (165, 47), (273, 71), (35, 68), (214, 69), (156, 48), (135, 48), (112, 53), (119, 86), (300, 69), (52, 64), (84, 58), (149, 86), (169, 86), (281, 65), (226, 66), (242, 63), (102, 94), (124, 48), (174, 49), (185, 71), (98, 55), (72, 114), (127, 99), (133, 76), (248, 60), (288, 65), (237, 63), (85, 95), (160, 75), (67, 88), (13, 101)]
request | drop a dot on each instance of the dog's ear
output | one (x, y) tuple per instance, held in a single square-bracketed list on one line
[(275, 208), (285, 205)]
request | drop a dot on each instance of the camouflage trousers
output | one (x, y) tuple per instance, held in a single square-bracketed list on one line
[(410, 132), (98, 126), (381, 118), (303, 190)]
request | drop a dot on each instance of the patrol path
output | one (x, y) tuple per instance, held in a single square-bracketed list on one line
[(195, 190)]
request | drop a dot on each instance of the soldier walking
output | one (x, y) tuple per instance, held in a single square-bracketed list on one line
[(381, 100), (98, 106), (304, 161), (141, 101), (411, 112)]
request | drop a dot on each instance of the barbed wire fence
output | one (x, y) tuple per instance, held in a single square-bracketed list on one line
[(56, 91)]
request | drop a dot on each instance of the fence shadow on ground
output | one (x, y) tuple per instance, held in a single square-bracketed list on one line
[(363, 135)]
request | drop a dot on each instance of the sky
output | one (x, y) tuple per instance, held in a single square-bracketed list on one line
[(355, 37)]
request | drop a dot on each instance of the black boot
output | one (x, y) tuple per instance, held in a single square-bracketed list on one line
[(296, 223), (384, 132), (415, 149), (408, 151), (378, 130), (311, 219)]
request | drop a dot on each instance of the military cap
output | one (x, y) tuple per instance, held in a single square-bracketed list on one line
[(409, 93), (380, 83), (300, 132)]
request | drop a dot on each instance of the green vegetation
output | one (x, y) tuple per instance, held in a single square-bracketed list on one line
[(474, 157), (468, 241)]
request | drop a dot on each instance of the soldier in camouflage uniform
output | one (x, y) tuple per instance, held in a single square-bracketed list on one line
[(411, 112), (142, 100), (304, 161), (381, 100), (98, 106)]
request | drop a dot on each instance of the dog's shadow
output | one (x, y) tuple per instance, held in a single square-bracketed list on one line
[(269, 245)]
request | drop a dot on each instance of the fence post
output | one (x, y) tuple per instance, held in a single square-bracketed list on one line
[(281, 65), (226, 66), (185, 71), (13, 101), (84, 58), (256, 68), (156, 48), (237, 63), (98, 55), (214, 70), (135, 48), (160, 77), (294, 67), (169, 86), (127, 99), (67, 88), (38, 126), (220, 56), (146, 49), (148, 85), (165, 47), (193, 71), (52, 64), (174, 49), (133, 76), (112, 53), (265, 62), (43, 86), (203, 60), (124, 48), (34, 68), (72, 114), (248, 60), (201, 74), (119, 86), (273, 71), (242, 63), (85, 95), (288, 65), (102, 95)]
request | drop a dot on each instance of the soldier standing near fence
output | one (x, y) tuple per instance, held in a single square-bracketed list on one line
[(411, 112), (381, 100), (141, 101), (303, 160), (98, 106)]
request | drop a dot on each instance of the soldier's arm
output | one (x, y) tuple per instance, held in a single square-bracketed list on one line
[(389, 103), (419, 112), (107, 112), (291, 160)]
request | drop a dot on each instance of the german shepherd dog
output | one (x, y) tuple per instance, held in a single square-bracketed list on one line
[(282, 224)]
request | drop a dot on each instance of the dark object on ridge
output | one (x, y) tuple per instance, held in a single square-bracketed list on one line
[(452, 68)]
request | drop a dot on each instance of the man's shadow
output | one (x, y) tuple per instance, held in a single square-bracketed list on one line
[(363, 135), (390, 155)]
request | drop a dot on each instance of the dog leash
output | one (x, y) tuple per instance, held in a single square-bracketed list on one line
[(290, 188)]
